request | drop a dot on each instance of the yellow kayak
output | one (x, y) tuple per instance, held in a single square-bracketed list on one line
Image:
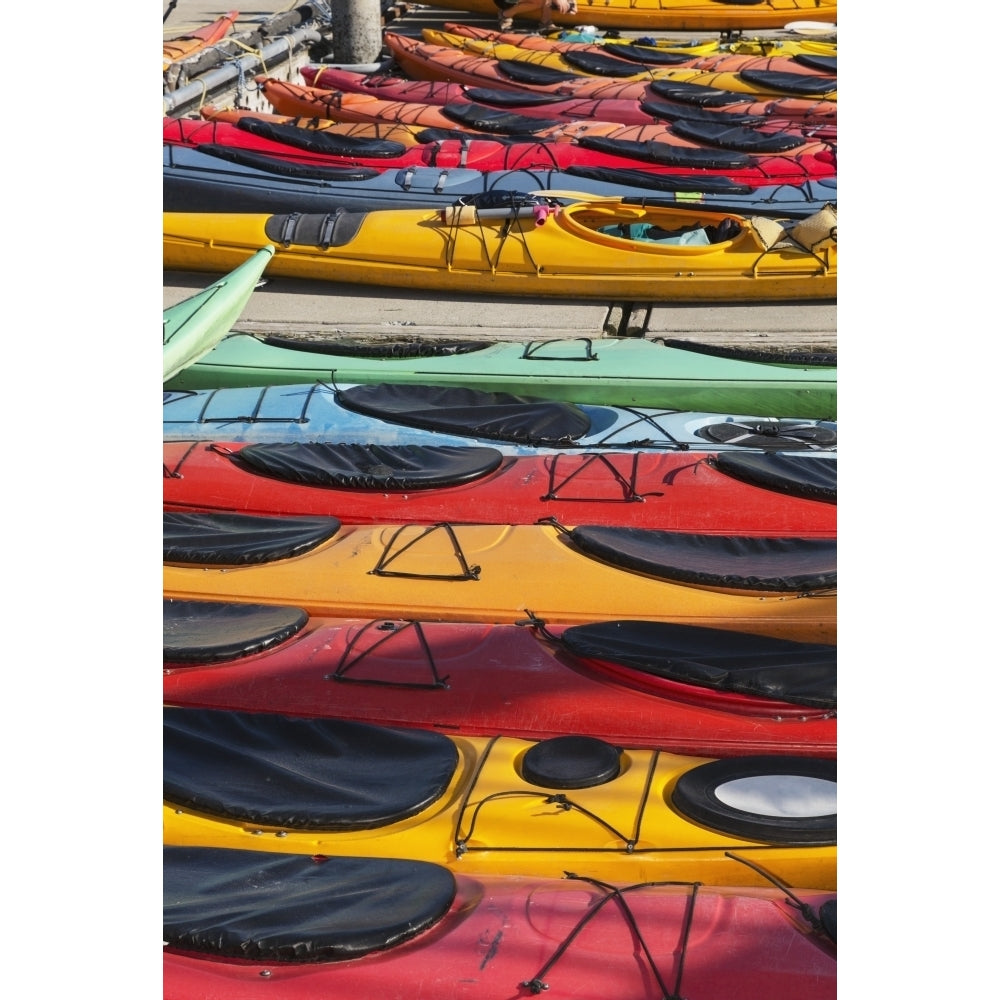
[(783, 587), (674, 15), (609, 249), (494, 805), (723, 72)]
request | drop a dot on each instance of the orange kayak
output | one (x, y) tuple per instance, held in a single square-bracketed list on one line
[(201, 38)]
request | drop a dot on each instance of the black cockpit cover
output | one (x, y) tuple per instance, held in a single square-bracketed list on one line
[(301, 773), (747, 140), (319, 141), (370, 467), (483, 119), (799, 673), (667, 154), (733, 562), (223, 539), (790, 83), (219, 631), (811, 477), (263, 906), (498, 416)]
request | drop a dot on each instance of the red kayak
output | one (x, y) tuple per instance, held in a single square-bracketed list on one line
[(631, 148), (255, 925), (678, 688), (369, 484), (647, 111), (425, 61)]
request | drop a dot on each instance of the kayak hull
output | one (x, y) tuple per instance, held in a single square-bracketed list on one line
[(612, 372), (192, 327), (679, 492), (481, 679), (556, 252), (500, 932), (489, 573), (487, 813)]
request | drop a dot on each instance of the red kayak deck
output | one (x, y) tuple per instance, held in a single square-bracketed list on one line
[(252, 926), (643, 489), (532, 681)]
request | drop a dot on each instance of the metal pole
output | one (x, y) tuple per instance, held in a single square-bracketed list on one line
[(356, 26)]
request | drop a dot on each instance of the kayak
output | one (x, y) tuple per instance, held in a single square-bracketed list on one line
[(673, 15), (654, 49), (192, 327), (254, 925), (780, 586), (752, 494), (497, 805), (289, 98), (608, 249), (758, 81), (675, 374), (426, 61), (200, 38), (230, 179), (680, 688), (445, 150), (597, 60), (401, 414), (405, 135)]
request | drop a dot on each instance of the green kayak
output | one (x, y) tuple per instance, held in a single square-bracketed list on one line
[(672, 374), (193, 327)]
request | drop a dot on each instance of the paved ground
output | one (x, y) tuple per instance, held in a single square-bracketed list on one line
[(317, 308)]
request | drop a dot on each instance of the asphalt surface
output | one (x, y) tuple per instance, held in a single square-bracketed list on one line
[(314, 309)]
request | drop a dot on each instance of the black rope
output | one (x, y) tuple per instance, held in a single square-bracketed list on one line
[(169, 10), (347, 661), (807, 912), (559, 800), (468, 572), (628, 484), (617, 894)]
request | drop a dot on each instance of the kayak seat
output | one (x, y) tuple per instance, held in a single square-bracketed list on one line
[(732, 562), (811, 477), (459, 410), (797, 673), (274, 770), (286, 168), (412, 347), (333, 229), (369, 467), (809, 359), (491, 120), (774, 435), (319, 141), (223, 539), (208, 632), (665, 153), (790, 83), (259, 905)]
